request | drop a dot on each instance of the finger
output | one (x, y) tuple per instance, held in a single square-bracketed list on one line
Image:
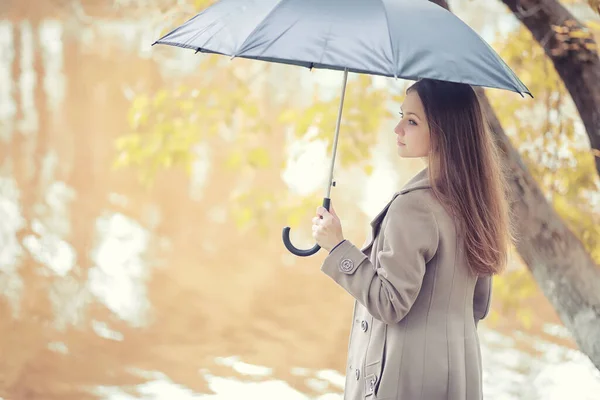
[(332, 210), (316, 220), (316, 233), (321, 211)]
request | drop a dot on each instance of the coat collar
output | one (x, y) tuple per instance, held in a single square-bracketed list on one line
[(419, 181)]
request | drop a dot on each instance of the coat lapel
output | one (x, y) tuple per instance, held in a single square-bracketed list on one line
[(419, 181)]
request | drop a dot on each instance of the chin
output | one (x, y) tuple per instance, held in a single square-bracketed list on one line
[(405, 154)]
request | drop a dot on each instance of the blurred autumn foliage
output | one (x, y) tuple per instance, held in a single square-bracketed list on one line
[(208, 275)]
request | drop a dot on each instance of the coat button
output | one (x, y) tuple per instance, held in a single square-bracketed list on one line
[(372, 383), (346, 265), (364, 325), (357, 374)]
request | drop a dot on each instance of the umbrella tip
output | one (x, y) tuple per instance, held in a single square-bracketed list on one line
[(522, 93)]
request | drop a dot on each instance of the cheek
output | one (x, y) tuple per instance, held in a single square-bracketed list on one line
[(413, 134), (426, 139), (418, 139)]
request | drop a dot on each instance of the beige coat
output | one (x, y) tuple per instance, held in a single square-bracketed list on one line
[(413, 334)]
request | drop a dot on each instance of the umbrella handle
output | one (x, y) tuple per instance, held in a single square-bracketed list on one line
[(330, 182), (293, 249)]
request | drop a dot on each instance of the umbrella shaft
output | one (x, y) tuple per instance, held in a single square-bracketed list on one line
[(337, 133)]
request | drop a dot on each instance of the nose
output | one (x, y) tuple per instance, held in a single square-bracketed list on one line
[(398, 129)]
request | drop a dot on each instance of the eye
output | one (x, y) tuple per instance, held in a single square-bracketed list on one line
[(410, 121)]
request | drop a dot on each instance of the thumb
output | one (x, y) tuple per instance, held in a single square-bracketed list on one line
[(332, 210)]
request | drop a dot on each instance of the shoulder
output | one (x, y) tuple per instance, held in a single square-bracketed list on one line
[(412, 213), (422, 200), (418, 201)]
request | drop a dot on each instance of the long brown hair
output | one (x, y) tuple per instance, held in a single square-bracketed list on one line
[(466, 172)]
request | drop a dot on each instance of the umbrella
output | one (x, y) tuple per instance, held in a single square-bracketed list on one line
[(409, 39)]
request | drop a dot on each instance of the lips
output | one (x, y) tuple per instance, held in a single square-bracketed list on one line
[(400, 143)]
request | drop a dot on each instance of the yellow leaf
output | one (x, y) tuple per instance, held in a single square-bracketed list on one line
[(578, 34), (139, 103), (201, 4), (160, 98), (287, 116), (234, 160), (259, 157), (242, 217), (186, 106), (559, 29), (525, 315), (296, 216), (121, 161), (593, 25)]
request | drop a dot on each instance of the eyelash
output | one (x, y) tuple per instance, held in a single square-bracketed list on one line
[(410, 120)]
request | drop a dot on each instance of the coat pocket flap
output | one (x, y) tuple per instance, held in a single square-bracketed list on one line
[(371, 381)]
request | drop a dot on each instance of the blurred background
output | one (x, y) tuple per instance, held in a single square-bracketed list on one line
[(143, 191)]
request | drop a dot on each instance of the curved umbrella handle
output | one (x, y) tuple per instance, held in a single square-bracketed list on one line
[(293, 249)]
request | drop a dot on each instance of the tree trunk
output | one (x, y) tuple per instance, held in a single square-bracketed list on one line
[(578, 66), (557, 259), (559, 262)]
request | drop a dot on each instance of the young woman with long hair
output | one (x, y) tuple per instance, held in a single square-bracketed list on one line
[(422, 280)]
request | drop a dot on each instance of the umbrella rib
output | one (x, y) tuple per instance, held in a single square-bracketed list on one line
[(326, 46), (519, 85), (394, 55), (200, 32), (277, 38), (516, 82), (258, 25)]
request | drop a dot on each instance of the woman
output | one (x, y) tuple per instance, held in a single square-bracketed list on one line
[(422, 280)]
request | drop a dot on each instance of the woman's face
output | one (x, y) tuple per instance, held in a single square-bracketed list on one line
[(412, 132)]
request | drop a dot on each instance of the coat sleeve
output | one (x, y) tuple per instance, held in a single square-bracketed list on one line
[(410, 240), (482, 297)]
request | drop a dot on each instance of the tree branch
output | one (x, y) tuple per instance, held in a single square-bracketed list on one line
[(575, 58)]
